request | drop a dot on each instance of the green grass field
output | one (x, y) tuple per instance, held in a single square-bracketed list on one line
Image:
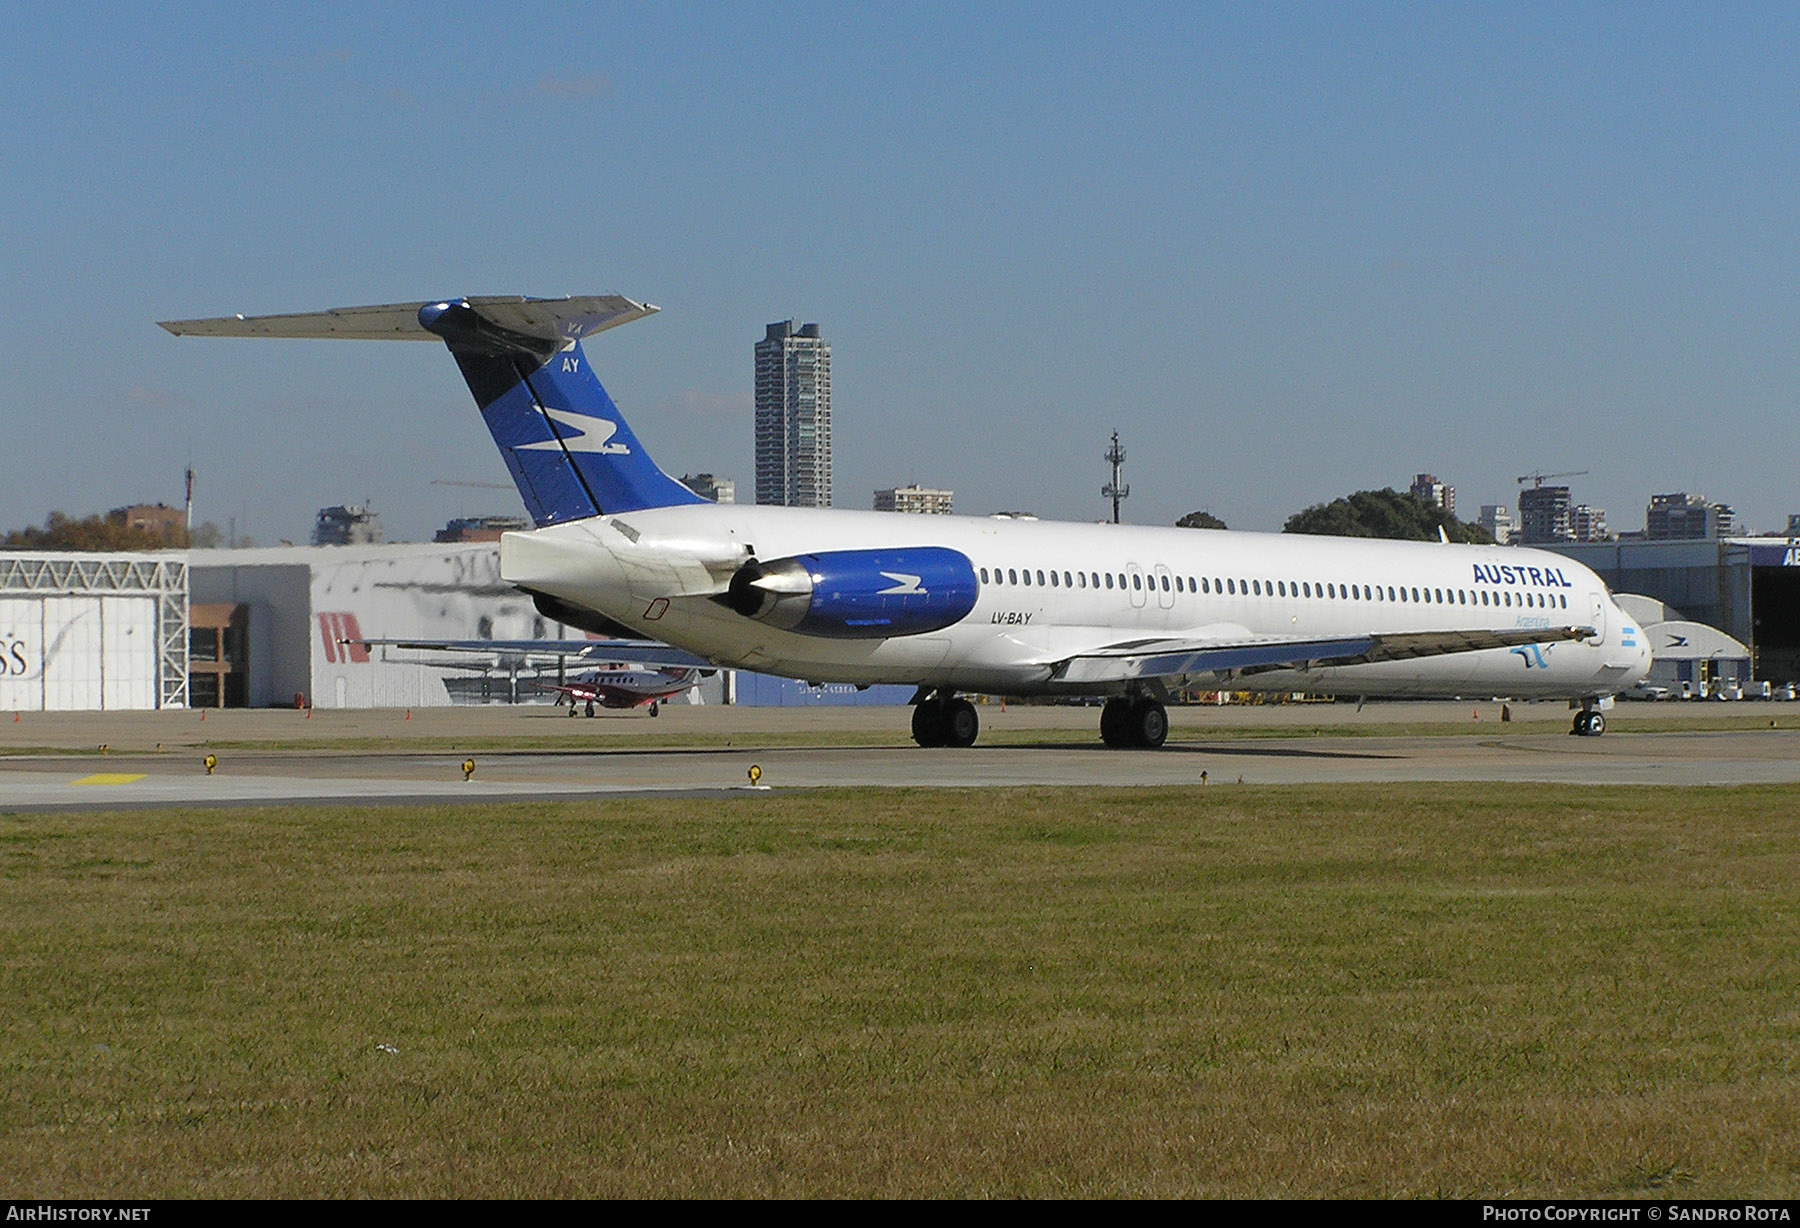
[(1385, 990)]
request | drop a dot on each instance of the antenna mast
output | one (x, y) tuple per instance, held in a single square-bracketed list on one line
[(1115, 489)]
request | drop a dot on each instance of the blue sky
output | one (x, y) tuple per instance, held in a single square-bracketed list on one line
[(1288, 251)]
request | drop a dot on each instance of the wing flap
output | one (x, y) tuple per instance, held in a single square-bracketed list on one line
[(1143, 659)]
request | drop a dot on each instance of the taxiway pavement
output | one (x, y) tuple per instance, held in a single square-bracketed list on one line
[(55, 761)]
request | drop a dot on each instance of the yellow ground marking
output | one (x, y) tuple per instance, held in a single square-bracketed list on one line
[(110, 778)]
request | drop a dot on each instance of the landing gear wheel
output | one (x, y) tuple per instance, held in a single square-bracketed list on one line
[(590, 707), (1589, 724), (929, 726), (571, 707), (1149, 724), (655, 707), (960, 723), (1113, 720)]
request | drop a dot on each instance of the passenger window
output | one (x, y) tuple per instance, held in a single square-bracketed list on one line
[(1281, 587), (1096, 579), (1053, 583), (984, 578), (1040, 575), (1256, 586), (1109, 579), (1012, 577), (1027, 574), (1165, 584), (1068, 581), (1204, 586), (1083, 577), (1137, 581)]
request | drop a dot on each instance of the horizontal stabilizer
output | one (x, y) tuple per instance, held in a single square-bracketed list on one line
[(553, 321), (1172, 658)]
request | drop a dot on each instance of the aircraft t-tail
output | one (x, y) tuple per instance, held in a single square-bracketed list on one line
[(954, 604)]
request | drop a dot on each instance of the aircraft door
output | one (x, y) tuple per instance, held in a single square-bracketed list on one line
[(1165, 587), (1597, 613), (1134, 579)]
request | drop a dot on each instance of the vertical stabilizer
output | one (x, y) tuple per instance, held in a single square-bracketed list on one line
[(570, 453)]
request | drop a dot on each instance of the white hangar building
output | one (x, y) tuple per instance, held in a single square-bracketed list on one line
[(272, 624), (88, 632)]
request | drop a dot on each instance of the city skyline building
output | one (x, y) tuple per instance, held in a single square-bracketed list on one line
[(915, 499), (793, 416), (1498, 520), (1545, 515), (707, 486), (1588, 524), (1439, 494), (347, 524), (1684, 517)]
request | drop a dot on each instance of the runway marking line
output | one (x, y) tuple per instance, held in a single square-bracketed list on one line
[(110, 778)]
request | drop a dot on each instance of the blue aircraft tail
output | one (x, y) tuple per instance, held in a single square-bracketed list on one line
[(569, 451)]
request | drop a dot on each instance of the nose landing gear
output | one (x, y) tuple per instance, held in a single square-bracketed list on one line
[(1589, 723)]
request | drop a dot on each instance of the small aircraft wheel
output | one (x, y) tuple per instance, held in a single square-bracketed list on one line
[(928, 723), (1596, 724), (1114, 718), (1149, 724), (571, 708), (590, 707), (655, 707), (961, 724)]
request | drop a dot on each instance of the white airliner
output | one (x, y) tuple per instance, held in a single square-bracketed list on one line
[(954, 604)]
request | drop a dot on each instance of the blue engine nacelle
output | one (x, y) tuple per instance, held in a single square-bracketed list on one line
[(858, 594)]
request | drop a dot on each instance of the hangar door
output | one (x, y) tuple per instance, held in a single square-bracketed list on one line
[(77, 653)]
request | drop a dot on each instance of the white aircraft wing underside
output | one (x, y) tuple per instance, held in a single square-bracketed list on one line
[(647, 653), (1168, 658)]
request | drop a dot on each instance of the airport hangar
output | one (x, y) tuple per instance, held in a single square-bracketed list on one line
[(1747, 588), (268, 628)]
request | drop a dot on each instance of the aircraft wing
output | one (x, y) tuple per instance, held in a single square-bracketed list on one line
[(1169, 658), (631, 652)]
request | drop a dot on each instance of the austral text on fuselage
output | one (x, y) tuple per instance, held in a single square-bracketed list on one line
[(1542, 577)]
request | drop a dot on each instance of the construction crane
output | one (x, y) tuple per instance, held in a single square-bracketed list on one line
[(1538, 479)]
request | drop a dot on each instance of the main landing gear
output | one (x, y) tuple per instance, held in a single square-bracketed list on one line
[(944, 720), (1134, 720), (1589, 723)]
